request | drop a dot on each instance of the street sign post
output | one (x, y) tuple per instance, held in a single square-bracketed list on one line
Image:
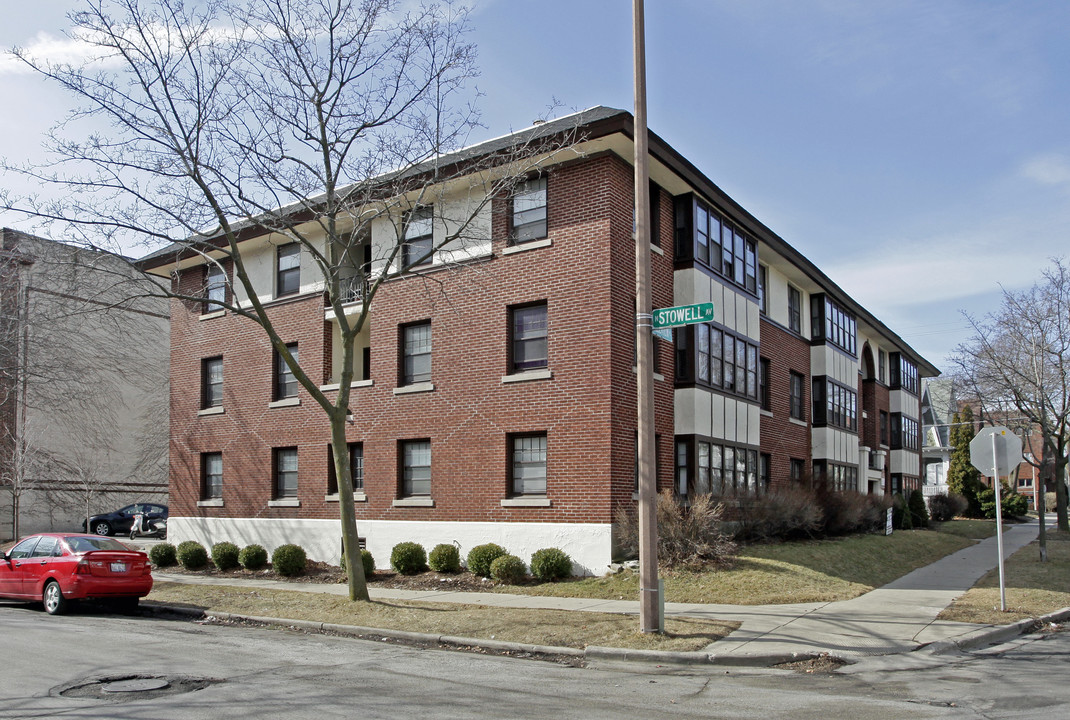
[(996, 452), (683, 315)]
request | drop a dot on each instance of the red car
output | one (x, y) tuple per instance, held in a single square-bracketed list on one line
[(58, 568)]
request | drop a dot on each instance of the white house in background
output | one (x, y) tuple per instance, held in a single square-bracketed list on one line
[(938, 407)]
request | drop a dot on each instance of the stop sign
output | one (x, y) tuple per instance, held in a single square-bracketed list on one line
[(999, 440)]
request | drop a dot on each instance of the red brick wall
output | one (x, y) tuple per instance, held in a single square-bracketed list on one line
[(783, 439), (587, 410)]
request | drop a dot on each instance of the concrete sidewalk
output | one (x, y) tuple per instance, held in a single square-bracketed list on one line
[(896, 618)]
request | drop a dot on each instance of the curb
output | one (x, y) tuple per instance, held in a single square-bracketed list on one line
[(660, 657), (995, 634)]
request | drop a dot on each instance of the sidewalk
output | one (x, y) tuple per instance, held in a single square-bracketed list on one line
[(895, 618)]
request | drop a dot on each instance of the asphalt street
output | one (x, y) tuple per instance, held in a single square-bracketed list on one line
[(53, 667)]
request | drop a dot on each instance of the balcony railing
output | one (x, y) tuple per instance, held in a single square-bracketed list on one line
[(352, 289)]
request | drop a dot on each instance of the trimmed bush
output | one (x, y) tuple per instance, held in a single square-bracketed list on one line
[(919, 514), (481, 556), (253, 557), (508, 569), (551, 564), (366, 560), (941, 508), (408, 558), (289, 560), (163, 555), (225, 555), (445, 558), (191, 555)]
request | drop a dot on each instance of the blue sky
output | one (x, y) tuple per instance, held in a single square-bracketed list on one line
[(917, 152)]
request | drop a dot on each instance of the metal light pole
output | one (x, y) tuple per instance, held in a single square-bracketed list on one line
[(649, 620)]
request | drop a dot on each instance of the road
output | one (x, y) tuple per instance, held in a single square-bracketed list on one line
[(269, 673)]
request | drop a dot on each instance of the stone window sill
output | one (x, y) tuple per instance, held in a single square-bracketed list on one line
[(284, 502), (529, 245), (211, 502), (285, 402), (541, 374), (526, 502), (414, 388), (212, 315), (797, 421), (355, 384), (420, 501), (217, 410), (657, 376), (358, 496)]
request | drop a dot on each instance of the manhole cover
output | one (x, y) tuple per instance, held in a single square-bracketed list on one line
[(125, 688), (135, 685)]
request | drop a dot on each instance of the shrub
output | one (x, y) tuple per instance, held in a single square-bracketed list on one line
[(408, 558), (551, 564), (163, 555), (688, 536), (788, 513), (941, 507), (481, 556), (445, 558), (252, 557), (1012, 504), (508, 569), (191, 555), (289, 560), (919, 514), (225, 555), (366, 560), (901, 519)]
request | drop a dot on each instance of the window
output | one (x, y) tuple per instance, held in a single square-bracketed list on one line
[(285, 464), (529, 210), (794, 310), (904, 432), (704, 235), (528, 337), (285, 382), (719, 360), (764, 397), (765, 461), (680, 472), (903, 373), (796, 470), (212, 382), (655, 214), (419, 237), (719, 469), (834, 404), (415, 353), (356, 468), (415, 467), (836, 477), (215, 286), (884, 427), (796, 397), (287, 269), (880, 365), (211, 476), (832, 324), (763, 280), (528, 464)]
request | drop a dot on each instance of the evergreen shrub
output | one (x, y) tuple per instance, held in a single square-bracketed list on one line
[(551, 564), (445, 558), (508, 569), (289, 560), (163, 555), (253, 557), (408, 558), (225, 555), (191, 555), (481, 556)]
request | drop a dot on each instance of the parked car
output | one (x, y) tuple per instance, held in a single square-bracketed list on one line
[(120, 521), (58, 568)]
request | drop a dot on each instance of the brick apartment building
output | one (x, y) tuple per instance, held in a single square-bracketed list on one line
[(517, 424)]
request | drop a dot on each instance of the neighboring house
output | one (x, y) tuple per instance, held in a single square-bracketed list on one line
[(517, 424), (938, 408), (83, 386)]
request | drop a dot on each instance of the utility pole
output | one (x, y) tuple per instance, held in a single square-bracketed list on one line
[(649, 620)]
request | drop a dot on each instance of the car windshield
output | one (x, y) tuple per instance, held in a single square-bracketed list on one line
[(81, 544)]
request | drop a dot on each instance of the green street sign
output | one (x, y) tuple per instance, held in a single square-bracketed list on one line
[(683, 315)]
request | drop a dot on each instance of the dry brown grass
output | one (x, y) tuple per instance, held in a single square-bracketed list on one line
[(1033, 588), (538, 627)]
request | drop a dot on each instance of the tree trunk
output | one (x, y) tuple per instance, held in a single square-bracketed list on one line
[(354, 563)]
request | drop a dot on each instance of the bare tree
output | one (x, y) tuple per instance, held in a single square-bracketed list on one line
[(304, 123), (1017, 363)]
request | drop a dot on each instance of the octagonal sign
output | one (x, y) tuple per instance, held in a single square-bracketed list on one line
[(1006, 446)]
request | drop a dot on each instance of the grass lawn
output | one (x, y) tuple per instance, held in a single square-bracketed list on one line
[(539, 627), (1033, 588), (808, 571)]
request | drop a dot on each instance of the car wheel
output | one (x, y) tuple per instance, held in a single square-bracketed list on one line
[(55, 603), (102, 527)]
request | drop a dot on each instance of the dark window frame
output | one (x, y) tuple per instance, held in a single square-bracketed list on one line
[(211, 389), (418, 249), (765, 396), (706, 236), (512, 441), (519, 341), (280, 486), (709, 356), (288, 278), (903, 374), (534, 229), (284, 382), (407, 373), (356, 467), (830, 323), (211, 482), (216, 287), (796, 396), (794, 309), (406, 476), (833, 404)]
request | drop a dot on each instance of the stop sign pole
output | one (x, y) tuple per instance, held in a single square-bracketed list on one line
[(997, 450)]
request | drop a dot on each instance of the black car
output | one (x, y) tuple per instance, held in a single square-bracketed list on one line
[(121, 520)]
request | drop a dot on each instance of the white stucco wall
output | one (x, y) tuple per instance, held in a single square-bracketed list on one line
[(588, 544)]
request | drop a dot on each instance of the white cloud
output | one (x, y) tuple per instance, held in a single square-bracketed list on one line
[(49, 49), (1049, 169)]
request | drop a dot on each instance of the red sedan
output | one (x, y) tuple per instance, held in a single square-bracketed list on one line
[(58, 568)]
